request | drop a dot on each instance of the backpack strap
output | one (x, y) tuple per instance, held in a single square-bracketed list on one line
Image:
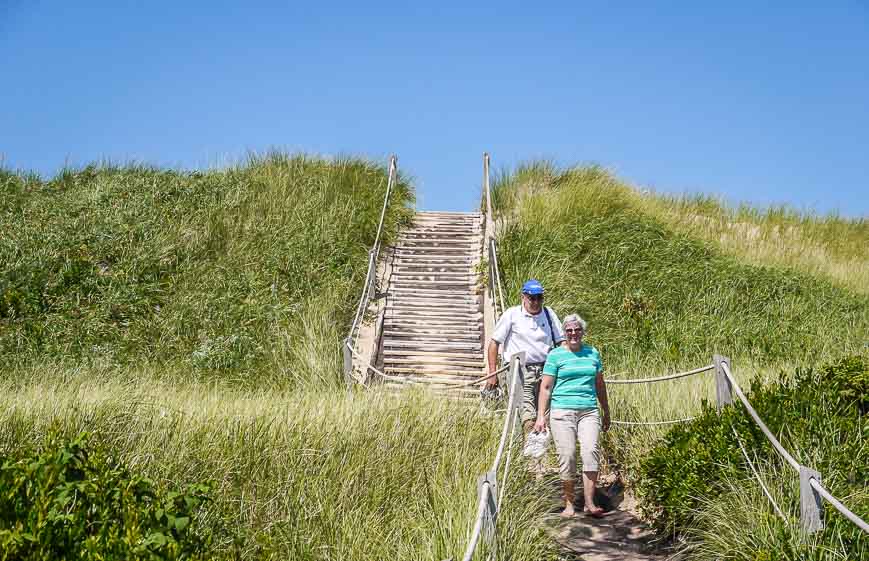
[(551, 331)]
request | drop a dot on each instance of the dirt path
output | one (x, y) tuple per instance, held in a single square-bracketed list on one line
[(620, 535)]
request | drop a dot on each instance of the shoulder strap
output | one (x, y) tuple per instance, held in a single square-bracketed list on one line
[(549, 321)]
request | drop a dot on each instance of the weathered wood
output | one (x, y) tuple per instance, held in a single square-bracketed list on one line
[(811, 509), (723, 390)]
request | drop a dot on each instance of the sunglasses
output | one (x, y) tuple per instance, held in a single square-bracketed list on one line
[(577, 330), (534, 297)]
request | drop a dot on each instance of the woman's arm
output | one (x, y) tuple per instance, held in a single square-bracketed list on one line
[(600, 388), (546, 383)]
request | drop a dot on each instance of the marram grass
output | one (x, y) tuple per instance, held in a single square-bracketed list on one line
[(233, 272), (311, 475)]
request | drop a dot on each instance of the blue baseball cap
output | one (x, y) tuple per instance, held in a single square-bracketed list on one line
[(532, 287)]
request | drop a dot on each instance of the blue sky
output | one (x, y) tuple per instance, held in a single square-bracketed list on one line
[(760, 102)]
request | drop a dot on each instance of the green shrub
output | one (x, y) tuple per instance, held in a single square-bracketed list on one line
[(72, 501), (819, 416)]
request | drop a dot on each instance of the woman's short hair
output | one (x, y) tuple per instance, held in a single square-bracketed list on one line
[(574, 318)]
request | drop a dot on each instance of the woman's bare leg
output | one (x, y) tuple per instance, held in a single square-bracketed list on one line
[(589, 482), (569, 489)]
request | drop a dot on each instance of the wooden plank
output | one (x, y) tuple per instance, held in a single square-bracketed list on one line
[(423, 337), (436, 376), (434, 361), (432, 354), (432, 345)]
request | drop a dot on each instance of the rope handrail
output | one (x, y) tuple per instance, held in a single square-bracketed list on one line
[(768, 433), (662, 378), (757, 476), (486, 488), (374, 252), (653, 423), (813, 481)]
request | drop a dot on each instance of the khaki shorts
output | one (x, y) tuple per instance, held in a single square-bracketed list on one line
[(568, 426), (531, 392)]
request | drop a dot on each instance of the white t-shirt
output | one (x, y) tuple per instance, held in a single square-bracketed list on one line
[(517, 330)]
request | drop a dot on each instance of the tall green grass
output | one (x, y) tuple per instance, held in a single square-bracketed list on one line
[(250, 272), (315, 475)]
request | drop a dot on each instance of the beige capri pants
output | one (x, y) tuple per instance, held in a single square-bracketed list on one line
[(572, 425)]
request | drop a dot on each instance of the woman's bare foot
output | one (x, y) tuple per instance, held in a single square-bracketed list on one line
[(568, 511), (594, 511)]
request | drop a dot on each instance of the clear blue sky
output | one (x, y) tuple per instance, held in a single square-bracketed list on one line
[(760, 102)]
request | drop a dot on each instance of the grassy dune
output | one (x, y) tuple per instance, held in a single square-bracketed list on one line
[(657, 298), (250, 273)]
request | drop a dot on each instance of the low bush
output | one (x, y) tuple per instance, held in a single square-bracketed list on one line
[(820, 416), (75, 501)]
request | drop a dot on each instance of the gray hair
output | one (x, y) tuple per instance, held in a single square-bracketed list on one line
[(574, 318)]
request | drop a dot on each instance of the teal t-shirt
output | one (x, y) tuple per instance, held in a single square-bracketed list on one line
[(575, 374)]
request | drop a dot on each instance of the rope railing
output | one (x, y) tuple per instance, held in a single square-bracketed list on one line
[(811, 490), (489, 501), (662, 378), (370, 275)]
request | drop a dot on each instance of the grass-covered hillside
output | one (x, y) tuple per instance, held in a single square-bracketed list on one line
[(656, 295), (250, 272), (665, 283)]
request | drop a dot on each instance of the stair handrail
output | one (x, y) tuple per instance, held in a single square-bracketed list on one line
[(370, 275), (490, 243)]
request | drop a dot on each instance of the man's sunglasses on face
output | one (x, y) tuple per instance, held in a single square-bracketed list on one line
[(534, 297)]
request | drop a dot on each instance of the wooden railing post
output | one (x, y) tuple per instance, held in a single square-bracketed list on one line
[(490, 513), (723, 390), (811, 510)]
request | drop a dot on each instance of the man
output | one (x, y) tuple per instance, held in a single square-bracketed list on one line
[(530, 327)]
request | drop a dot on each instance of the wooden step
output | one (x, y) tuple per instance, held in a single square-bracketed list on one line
[(414, 283), (417, 336), (434, 361), (433, 269), (443, 306), (422, 314), (475, 292), (447, 304), (457, 355), (432, 345), (463, 305), (433, 323), (444, 330), (442, 375)]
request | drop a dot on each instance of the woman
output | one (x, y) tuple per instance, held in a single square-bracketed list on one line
[(573, 380)]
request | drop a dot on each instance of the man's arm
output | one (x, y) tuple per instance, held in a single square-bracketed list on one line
[(492, 355)]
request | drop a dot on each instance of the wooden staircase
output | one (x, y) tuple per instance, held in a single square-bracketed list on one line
[(433, 319)]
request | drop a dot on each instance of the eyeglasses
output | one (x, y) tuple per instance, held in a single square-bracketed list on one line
[(533, 297), (577, 330)]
